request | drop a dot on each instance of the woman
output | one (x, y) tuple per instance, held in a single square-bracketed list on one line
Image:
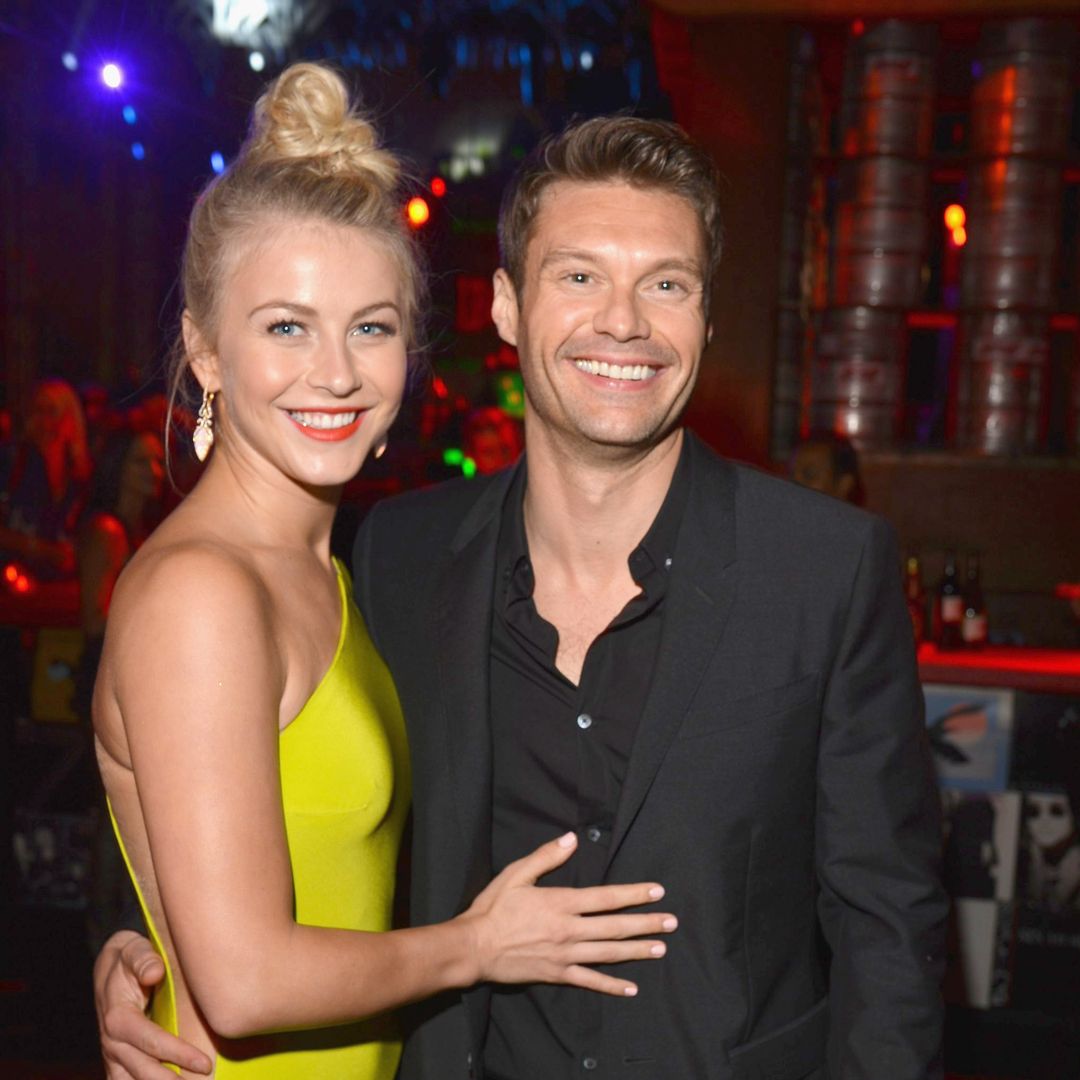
[(43, 482), (249, 736)]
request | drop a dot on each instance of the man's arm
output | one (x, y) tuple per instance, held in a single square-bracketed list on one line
[(125, 974), (882, 905)]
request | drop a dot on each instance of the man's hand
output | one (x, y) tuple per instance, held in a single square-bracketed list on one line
[(133, 1046)]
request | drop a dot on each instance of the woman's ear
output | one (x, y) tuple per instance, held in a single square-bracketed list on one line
[(201, 357)]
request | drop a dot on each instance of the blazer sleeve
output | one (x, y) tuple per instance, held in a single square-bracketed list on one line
[(362, 558), (878, 839)]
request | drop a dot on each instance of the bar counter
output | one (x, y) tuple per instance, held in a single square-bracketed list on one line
[(1055, 671)]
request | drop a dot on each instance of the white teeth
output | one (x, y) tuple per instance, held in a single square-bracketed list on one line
[(326, 421), (632, 372)]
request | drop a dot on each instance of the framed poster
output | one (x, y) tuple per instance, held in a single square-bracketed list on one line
[(970, 731)]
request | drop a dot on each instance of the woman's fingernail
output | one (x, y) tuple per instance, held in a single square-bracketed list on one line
[(630, 991), (658, 950), (656, 892), (567, 840), (670, 924)]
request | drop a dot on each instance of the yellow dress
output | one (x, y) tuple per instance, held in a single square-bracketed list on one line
[(345, 789)]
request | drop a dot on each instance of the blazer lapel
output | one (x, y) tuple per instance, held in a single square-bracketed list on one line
[(464, 599), (696, 610)]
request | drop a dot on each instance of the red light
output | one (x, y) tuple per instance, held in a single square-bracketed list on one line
[(440, 387), (959, 236), (10, 572), (22, 584), (438, 187), (955, 216), (858, 27), (418, 211)]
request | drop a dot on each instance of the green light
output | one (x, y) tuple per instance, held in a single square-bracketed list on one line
[(453, 456), (468, 467), (510, 395)]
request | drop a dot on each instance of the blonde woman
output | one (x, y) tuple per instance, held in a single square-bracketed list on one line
[(249, 736)]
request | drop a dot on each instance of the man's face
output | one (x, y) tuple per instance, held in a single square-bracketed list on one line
[(610, 324)]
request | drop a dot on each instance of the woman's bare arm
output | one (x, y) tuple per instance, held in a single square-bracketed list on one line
[(199, 678)]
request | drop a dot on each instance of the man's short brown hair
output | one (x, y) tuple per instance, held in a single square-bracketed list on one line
[(644, 153)]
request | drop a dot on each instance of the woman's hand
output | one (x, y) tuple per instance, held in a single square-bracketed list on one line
[(525, 934)]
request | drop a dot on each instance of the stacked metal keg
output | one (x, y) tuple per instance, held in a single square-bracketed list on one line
[(857, 376), (1019, 135), (803, 142)]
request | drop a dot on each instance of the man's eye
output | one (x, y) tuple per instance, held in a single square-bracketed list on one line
[(667, 285), (579, 278)]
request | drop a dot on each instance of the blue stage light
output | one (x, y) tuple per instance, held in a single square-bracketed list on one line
[(256, 60), (138, 151), (112, 76), (130, 115), (70, 61), (217, 162)]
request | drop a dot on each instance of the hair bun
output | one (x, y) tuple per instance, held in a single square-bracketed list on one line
[(305, 115)]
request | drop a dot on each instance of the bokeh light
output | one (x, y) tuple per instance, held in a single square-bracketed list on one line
[(418, 211)]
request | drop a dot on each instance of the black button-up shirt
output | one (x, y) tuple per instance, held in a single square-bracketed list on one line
[(560, 754)]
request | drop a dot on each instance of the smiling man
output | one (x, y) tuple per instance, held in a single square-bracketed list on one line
[(706, 672)]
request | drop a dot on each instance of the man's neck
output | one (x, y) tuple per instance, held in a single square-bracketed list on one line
[(588, 516)]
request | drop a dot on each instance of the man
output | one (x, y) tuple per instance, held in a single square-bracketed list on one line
[(706, 671), (829, 463)]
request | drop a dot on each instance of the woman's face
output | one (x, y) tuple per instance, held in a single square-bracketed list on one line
[(310, 359), (49, 421), (144, 467), (1049, 818)]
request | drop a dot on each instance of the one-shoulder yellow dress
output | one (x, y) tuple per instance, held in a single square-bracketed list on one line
[(345, 788)]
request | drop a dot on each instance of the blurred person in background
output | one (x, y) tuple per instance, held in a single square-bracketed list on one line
[(492, 439), (828, 462), (43, 478), (121, 508)]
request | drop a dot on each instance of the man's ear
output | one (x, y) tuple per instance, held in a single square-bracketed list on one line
[(504, 307), (203, 359), (708, 334)]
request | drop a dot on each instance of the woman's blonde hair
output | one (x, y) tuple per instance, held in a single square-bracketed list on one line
[(309, 154)]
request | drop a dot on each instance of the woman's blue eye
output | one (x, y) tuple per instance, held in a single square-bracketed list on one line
[(375, 329), (284, 328)]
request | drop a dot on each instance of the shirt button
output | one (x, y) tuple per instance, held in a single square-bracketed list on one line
[(593, 833), (589, 1063), (584, 721)]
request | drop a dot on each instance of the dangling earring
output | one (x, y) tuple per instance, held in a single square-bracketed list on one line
[(380, 449), (203, 436)]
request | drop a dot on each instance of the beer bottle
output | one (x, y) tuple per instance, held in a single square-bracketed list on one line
[(973, 626), (949, 606)]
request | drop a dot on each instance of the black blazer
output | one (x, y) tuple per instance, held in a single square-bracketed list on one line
[(780, 785)]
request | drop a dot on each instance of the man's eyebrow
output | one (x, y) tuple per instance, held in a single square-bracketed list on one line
[(568, 254)]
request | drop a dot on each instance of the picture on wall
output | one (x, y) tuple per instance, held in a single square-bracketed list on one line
[(970, 730)]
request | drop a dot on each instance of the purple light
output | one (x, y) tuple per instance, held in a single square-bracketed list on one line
[(112, 76)]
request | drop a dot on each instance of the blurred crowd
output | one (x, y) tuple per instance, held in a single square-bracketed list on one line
[(81, 485)]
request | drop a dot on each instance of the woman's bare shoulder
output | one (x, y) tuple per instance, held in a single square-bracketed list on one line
[(199, 601)]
